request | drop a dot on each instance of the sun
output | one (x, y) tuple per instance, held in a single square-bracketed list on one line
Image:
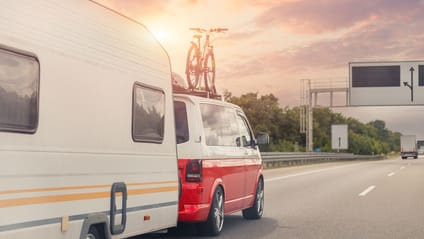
[(161, 35)]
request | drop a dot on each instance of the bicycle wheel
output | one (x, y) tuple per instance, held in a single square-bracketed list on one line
[(209, 73), (193, 67)]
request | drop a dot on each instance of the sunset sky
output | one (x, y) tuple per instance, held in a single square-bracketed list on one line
[(273, 44)]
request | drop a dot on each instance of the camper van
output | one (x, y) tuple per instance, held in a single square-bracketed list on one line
[(87, 133), (219, 162)]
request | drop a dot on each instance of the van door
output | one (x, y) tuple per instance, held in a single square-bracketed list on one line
[(251, 158), (224, 158)]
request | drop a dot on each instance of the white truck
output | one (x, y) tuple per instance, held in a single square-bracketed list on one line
[(408, 146), (87, 133)]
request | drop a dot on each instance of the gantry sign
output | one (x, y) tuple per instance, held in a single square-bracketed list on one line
[(370, 84), (386, 83)]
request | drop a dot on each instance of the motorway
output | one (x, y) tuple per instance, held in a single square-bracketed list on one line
[(376, 199)]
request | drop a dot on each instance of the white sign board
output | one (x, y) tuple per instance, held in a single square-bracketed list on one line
[(339, 139), (386, 83)]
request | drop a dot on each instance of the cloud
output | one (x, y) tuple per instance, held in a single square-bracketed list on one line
[(278, 70), (390, 41), (320, 16)]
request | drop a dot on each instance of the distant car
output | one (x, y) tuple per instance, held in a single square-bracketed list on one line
[(219, 163)]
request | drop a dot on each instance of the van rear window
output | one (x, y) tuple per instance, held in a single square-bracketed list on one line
[(181, 124), (220, 125), (148, 114), (19, 87)]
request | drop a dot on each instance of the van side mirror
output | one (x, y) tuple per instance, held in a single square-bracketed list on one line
[(262, 138)]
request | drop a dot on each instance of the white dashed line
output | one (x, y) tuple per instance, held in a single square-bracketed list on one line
[(391, 174), (366, 191)]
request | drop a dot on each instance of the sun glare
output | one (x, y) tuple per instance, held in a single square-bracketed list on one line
[(161, 35)]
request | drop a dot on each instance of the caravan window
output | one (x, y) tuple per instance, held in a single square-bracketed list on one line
[(148, 114), (19, 81)]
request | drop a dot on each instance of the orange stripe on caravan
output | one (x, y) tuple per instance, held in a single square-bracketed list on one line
[(78, 187), (75, 197)]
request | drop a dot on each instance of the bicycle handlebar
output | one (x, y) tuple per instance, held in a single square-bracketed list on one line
[(201, 30), (198, 29), (218, 29)]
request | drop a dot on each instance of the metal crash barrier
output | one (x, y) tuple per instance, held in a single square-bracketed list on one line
[(285, 159)]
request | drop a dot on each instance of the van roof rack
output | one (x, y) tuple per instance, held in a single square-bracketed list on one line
[(201, 93)]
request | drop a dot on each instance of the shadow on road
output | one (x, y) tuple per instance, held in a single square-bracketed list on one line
[(234, 227)]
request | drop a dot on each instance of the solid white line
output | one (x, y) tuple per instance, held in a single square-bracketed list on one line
[(310, 172), (366, 191), (391, 174)]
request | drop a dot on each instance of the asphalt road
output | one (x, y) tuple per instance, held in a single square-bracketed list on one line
[(378, 199)]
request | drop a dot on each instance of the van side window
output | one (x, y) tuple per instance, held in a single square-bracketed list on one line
[(220, 125), (148, 114), (181, 123), (246, 135), (19, 89)]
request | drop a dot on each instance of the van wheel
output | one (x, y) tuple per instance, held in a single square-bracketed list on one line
[(257, 210), (213, 226), (93, 233)]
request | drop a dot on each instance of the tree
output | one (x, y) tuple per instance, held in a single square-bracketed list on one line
[(282, 124)]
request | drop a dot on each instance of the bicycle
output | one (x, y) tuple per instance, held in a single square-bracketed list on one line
[(201, 61)]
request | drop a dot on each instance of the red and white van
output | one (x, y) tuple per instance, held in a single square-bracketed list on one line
[(219, 162)]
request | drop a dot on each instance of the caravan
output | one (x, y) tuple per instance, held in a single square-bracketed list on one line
[(87, 138)]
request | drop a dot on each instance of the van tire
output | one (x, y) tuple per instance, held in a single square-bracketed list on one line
[(257, 210), (213, 225), (93, 233)]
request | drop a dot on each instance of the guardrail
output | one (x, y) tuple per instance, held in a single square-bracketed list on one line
[(284, 159)]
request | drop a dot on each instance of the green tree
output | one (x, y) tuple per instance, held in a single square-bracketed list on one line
[(282, 124)]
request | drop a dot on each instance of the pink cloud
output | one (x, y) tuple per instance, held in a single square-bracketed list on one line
[(392, 41), (321, 16)]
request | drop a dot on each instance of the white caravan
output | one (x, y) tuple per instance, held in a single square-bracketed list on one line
[(87, 135)]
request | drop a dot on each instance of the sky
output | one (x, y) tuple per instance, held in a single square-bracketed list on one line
[(272, 44)]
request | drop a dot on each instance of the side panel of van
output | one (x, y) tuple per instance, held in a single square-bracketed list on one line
[(78, 147)]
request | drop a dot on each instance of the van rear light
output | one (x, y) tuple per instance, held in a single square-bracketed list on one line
[(194, 171)]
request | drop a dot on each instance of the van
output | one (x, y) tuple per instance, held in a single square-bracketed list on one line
[(219, 162), (87, 133)]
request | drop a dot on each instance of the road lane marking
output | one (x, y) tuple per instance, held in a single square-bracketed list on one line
[(402, 167), (315, 171), (391, 174), (312, 172), (366, 191)]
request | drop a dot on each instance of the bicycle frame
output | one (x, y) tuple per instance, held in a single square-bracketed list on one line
[(206, 48), (198, 59)]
